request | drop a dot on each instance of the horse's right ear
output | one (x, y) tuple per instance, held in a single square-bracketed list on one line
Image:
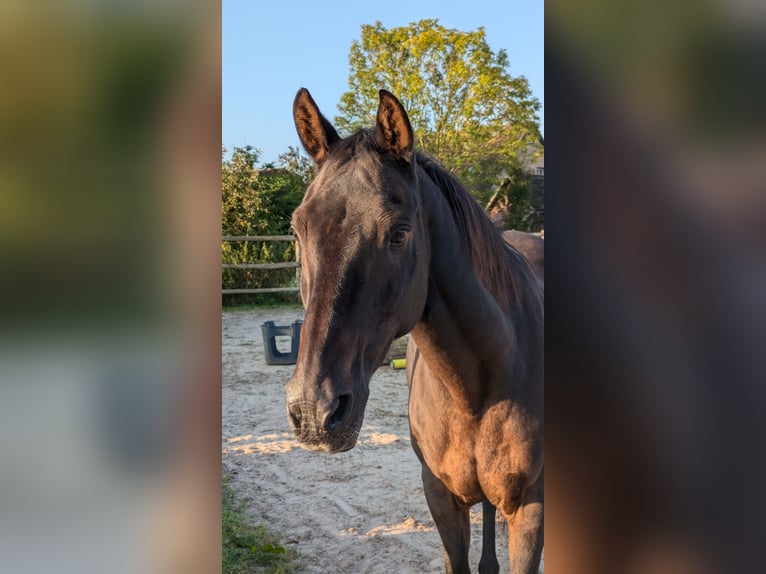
[(394, 132), (315, 132)]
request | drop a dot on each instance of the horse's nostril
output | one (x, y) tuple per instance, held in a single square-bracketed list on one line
[(338, 411), (294, 415)]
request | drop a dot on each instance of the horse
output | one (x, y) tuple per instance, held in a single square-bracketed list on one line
[(532, 248), (392, 243)]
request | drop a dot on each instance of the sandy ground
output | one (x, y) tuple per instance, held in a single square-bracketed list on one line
[(358, 512)]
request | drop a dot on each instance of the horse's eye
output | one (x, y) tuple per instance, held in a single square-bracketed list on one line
[(400, 234)]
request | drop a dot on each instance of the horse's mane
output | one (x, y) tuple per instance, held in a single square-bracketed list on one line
[(498, 265)]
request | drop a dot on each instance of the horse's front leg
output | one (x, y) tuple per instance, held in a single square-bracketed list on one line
[(451, 520), (526, 531)]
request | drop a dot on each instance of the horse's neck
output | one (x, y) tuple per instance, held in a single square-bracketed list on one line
[(465, 336)]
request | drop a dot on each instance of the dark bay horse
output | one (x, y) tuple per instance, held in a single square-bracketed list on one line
[(530, 246), (392, 243)]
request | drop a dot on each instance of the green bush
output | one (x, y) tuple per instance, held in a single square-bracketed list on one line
[(259, 200)]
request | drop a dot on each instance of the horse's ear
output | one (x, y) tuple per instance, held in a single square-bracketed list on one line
[(394, 132), (315, 132)]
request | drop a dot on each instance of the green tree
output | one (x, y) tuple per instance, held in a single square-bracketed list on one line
[(512, 200), (465, 107), (294, 161)]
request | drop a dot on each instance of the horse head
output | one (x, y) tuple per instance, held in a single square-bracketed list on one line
[(364, 267)]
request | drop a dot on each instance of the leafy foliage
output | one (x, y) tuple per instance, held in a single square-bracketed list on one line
[(465, 107), (513, 203), (298, 164), (259, 200)]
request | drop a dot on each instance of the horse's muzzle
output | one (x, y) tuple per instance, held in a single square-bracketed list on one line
[(324, 425)]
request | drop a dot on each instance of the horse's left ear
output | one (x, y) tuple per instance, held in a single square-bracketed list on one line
[(394, 132)]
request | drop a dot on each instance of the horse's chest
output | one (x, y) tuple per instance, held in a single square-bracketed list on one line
[(449, 453), (458, 473), (474, 459)]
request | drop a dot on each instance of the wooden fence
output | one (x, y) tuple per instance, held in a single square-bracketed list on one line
[(285, 265)]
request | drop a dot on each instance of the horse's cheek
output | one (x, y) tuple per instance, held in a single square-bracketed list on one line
[(419, 278), (412, 290)]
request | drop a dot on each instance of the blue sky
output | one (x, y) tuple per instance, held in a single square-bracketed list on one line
[(272, 48)]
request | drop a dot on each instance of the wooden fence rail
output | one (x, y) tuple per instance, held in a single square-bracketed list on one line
[(258, 238), (284, 265), (260, 265)]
